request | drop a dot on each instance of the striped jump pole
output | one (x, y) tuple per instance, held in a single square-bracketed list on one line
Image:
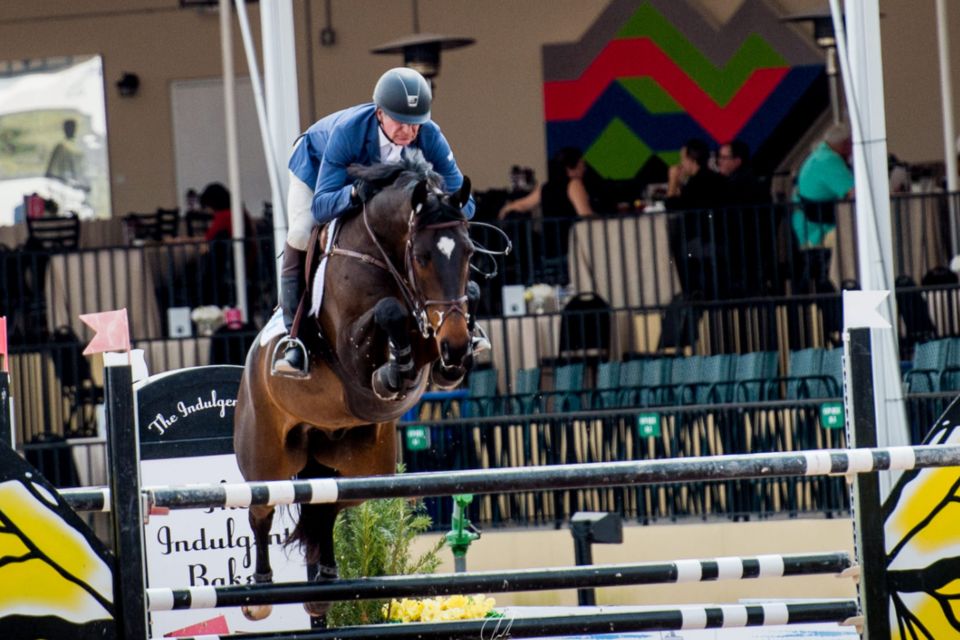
[(680, 571), (681, 618), (575, 476)]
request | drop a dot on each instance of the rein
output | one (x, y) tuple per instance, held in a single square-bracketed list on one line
[(409, 288)]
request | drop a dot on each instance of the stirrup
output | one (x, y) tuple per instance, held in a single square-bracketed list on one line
[(280, 349), (479, 341)]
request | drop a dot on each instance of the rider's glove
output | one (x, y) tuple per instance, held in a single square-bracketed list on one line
[(362, 191)]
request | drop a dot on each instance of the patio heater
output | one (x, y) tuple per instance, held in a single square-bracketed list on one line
[(421, 51)]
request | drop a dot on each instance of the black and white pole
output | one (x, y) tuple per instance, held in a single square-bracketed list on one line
[(581, 577), (6, 420), (126, 504), (865, 503), (689, 617)]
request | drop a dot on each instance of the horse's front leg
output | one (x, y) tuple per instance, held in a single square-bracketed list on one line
[(392, 380), (261, 520)]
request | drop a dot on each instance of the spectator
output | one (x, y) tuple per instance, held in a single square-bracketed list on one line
[(748, 222), (563, 195), (215, 200), (823, 179), (692, 184), (743, 186), (563, 199), (899, 175), (693, 189), (217, 281)]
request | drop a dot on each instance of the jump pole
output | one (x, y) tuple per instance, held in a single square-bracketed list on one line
[(679, 619), (679, 571), (820, 462)]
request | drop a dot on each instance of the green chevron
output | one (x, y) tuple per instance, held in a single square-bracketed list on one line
[(651, 95), (721, 84), (617, 153), (670, 157)]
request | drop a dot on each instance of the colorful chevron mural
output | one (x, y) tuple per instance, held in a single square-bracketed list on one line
[(648, 75)]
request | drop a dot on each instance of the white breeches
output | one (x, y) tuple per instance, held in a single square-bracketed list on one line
[(299, 213)]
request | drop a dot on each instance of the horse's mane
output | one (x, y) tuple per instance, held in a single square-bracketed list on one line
[(404, 175)]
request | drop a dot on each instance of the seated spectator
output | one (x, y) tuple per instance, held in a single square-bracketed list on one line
[(692, 184), (562, 200), (215, 200), (563, 195), (743, 186), (217, 273)]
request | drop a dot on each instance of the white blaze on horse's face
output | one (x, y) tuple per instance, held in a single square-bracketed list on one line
[(446, 245)]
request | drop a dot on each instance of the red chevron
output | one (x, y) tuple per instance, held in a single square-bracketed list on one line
[(570, 99)]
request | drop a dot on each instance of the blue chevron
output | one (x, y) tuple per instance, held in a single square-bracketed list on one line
[(776, 107), (660, 132)]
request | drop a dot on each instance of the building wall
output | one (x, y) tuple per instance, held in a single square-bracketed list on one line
[(488, 99)]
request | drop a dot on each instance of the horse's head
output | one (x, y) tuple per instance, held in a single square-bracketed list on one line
[(424, 234)]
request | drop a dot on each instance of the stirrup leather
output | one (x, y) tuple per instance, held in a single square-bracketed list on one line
[(278, 352)]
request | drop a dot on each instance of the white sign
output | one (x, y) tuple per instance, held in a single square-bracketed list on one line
[(214, 547)]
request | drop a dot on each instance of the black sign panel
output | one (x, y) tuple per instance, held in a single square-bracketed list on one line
[(188, 412)]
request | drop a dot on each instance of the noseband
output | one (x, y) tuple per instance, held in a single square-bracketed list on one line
[(409, 287)]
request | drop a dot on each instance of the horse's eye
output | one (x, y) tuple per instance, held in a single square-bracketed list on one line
[(423, 259)]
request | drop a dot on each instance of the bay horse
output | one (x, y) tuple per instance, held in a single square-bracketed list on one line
[(394, 316)]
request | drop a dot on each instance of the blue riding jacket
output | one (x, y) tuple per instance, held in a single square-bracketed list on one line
[(351, 136)]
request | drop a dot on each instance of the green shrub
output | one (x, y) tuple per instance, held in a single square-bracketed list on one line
[(373, 539)]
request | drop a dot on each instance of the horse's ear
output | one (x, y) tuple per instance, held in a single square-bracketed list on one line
[(461, 197), (419, 196)]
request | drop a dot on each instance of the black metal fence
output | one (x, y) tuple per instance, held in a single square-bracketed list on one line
[(630, 286), (443, 438)]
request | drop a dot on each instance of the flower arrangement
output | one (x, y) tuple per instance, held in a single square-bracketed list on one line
[(208, 319), (541, 298), (440, 609)]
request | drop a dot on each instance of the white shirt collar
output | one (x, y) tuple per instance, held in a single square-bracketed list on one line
[(389, 151)]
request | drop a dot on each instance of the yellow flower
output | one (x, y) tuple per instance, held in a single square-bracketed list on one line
[(455, 607)]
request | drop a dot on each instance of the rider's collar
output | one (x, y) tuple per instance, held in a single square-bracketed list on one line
[(390, 151)]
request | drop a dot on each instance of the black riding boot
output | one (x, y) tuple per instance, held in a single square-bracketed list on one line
[(294, 360)]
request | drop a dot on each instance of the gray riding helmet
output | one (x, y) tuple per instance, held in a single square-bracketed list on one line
[(404, 95)]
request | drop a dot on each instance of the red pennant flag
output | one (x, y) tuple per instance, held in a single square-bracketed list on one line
[(210, 627), (3, 341), (112, 331)]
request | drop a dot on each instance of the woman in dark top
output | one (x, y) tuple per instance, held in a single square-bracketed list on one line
[(562, 200)]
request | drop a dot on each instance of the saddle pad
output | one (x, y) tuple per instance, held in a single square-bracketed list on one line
[(316, 294), (273, 328)]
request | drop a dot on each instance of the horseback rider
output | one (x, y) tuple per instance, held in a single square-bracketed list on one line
[(320, 189)]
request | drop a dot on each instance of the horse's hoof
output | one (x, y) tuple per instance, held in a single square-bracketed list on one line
[(257, 611), (447, 377), (317, 609), (384, 386)]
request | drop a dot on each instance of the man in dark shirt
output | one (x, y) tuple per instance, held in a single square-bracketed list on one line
[(694, 189)]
